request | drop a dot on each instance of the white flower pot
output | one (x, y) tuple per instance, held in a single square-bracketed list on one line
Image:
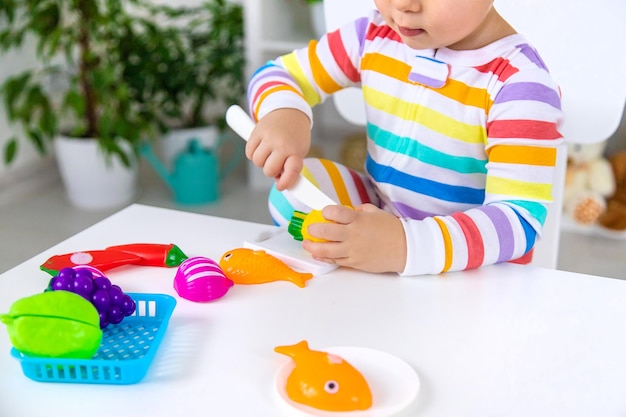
[(93, 181)]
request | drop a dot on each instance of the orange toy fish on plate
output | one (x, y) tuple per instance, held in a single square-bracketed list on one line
[(325, 381), (248, 266)]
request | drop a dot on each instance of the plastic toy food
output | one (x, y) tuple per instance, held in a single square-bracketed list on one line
[(88, 282), (248, 266), (325, 381), (56, 324), (201, 279), (153, 254), (144, 254), (299, 223)]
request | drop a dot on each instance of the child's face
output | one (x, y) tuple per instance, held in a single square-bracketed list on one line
[(431, 24)]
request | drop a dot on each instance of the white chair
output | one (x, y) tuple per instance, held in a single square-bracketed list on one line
[(583, 45)]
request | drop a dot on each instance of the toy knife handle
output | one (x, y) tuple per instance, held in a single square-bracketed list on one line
[(239, 121)]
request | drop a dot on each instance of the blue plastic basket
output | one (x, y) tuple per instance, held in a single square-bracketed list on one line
[(125, 354)]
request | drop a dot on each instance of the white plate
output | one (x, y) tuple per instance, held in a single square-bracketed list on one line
[(394, 383)]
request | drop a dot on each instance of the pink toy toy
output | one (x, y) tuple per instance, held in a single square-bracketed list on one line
[(201, 279)]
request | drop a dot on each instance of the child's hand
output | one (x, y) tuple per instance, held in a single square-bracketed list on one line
[(279, 143), (365, 238)]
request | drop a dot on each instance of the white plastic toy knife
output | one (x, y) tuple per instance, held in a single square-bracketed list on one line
[(303, 190)]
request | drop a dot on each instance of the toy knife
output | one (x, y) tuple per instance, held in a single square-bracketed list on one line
[(303, 190)]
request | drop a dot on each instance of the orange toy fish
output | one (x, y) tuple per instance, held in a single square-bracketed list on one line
[(247, 266), (325, 381)]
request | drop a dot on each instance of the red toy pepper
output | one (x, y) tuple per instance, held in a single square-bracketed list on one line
[(153, 254), (143, 254)]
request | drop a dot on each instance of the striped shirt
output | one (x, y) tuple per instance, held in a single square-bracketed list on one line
[(461, 144)]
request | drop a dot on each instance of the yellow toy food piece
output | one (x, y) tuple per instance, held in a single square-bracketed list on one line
[(315, 216)]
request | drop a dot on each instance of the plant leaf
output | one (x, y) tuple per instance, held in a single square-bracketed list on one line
[(10, 150)]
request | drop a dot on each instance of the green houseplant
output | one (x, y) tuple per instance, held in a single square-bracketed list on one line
[(77, 91), (195, 66), (194, 72), (78, 47)]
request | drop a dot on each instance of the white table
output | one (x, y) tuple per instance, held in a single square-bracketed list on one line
[(506, 340)]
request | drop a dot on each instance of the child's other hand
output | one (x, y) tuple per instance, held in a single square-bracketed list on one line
[(279, 143), (365, 238)]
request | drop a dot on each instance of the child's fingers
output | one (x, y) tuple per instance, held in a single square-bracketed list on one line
[(260, 156), (251, 146), (290, 172), (368, 208), (286, 180), (273, 164), (326, 251), (339, 214)]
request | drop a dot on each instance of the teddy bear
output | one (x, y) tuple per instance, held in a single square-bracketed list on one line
[(614, 217), (589, 180)]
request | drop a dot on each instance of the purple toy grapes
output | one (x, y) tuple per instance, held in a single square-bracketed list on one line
[(102, 283), (128, 305), (64, 280), (110, 301), (83, 283), (116, 295), (101, 300)]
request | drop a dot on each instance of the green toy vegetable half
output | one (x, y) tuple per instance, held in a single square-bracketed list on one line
[(57, 324)]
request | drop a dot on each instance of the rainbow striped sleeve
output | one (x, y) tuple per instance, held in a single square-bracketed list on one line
[(307, 76)]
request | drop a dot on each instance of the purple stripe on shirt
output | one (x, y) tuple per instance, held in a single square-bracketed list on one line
[(503, 230), (528, 91), (411, 212), (530, 53), (361, 30), (427, 81), (261, 76)]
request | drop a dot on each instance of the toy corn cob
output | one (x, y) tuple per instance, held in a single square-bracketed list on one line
[(295, 225)]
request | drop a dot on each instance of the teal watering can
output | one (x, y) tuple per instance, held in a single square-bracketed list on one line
[(196, 174)]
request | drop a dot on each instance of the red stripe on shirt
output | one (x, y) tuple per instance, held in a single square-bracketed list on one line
[(500, 67), (531, 129), (263, 88), (383, 31), (341, 57), (475, 246), (358, 182)]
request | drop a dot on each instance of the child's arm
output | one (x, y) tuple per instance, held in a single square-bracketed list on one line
[(282, 93)]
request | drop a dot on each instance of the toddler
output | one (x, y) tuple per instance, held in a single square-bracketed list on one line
[(462, 130)]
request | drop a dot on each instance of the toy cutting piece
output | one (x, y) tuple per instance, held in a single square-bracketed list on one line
[(247, 266), (153, 254), (299, 223), (143, 254), (57, 324), (325, 381), (201, 279)]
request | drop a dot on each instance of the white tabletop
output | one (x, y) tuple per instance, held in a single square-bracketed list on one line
[(506, 340)]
